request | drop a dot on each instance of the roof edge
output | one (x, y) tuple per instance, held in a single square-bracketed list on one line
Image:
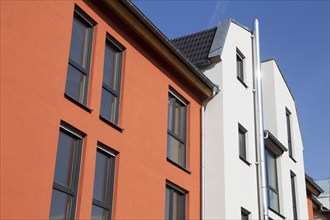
[(312, 186)]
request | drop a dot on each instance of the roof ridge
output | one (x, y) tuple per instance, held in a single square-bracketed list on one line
[(194, 33)]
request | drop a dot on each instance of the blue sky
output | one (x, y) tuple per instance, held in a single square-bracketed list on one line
[(295, 33)]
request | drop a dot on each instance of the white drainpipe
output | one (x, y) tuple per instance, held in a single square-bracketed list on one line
[(260, 117), (215, 92)]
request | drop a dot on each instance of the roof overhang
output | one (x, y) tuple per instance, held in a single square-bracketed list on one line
[(312, 187), (138, 23), (273, 144)]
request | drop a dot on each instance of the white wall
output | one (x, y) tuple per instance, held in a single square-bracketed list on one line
[(230, 183), (277, 98)]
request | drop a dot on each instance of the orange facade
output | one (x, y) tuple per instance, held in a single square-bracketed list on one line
[(35, 48)]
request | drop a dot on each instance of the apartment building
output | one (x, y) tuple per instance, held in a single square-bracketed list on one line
[(100, 115), (232, 183)]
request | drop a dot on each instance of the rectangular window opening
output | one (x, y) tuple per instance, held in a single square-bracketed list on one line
[(103, 183), (80, 55), (112, 75), (242, 142), (244, 214), (66, 176), (272, 182), (176, 129), (240, 65), (175, 204), (294, 197), (289, 134)]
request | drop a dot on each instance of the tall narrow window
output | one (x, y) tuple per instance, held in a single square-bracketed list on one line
[(272, 183), (242, 142), (79, 59), (176, 129), (175, 205), (294, 199), (244, 214), (64, 195), (288, 127), (103, 184), (111, 81), (240, 65)]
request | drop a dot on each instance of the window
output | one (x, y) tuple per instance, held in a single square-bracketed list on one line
[(242, 142), (244, 214), (240, 65), (176, 129), (175, 207), (293, 191), (79, 60), (103, 183), (288, 127), (111, 81), (65, 185), (272, 183)]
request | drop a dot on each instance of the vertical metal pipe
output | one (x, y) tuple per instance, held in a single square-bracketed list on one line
[(257, 69)]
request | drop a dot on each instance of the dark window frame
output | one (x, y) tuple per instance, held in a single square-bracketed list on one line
[(80, 15), (269, 187), (73, 191), (242, 132), (178, 98), (289, 131), (180, 191), (294, 194), (245, 214), (105, 150), (240, 67), (114, 44)]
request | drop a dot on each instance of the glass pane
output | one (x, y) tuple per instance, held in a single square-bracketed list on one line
[(109, 106), (271, 170), (180, 120), (178, 206), (175, 150), (60, 206), (79, 42), (239, 66), (171, 103), (99, 213), (112, 67), (242, 148), (167, 204), (65, 160), (75, 84), (273, 200), (101, 178)]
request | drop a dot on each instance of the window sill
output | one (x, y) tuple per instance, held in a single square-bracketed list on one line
[(276, 212), (239, 79), (83, 106), (245, 161), (294, 160), (177, 165), (111, 124)]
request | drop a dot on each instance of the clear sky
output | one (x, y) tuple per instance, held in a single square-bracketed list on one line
[(295, 33)]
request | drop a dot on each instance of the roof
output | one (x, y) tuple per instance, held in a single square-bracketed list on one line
[(140, 24), (312, 186), (205, 47), (274, 144), (196, 46)]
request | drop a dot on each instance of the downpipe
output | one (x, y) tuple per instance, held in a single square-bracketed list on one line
[(260, 117)]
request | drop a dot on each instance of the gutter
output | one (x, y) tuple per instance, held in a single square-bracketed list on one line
[(214, 93), (132, 8)]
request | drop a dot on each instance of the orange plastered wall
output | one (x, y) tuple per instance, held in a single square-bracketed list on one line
[(35, 45)]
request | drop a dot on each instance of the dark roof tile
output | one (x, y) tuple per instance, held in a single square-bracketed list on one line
[(196, 46)]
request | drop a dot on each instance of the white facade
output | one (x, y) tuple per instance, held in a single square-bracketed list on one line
[(231, 183)]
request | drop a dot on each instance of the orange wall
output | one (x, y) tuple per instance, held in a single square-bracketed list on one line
[(310, 206), (35, 44)]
